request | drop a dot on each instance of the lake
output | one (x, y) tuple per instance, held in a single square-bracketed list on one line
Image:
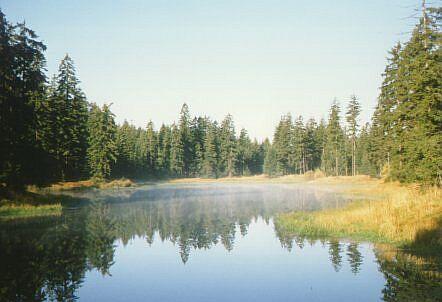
[(200, 242)]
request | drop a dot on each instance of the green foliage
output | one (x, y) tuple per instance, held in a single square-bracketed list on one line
[(407, 124), (101, 153), (21, 85), (51, 122)]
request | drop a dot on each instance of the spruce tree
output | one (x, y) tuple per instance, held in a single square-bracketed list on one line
[(333, 159), (282, 142), (244, 153), (73, 114), (271, 161), (102, 150), (176, 152), (353, 111), (210, 161), (227, 146), (164, 141), (21, 85), (186, 139), (152, 149)]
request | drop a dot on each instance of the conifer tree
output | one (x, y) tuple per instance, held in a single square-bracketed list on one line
[(353, 111), (186, 139), (297, 159), (227, 146), (152, 149), (210, 161), (271, 161), (21, 84), (282, 142), (176, 152), (244, 153), (164, 141), (73, 114), (333, 159), (125, 143), (101, 153)]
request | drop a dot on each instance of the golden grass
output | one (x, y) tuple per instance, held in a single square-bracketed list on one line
[(403, 215), (90, 183), (117, 183)]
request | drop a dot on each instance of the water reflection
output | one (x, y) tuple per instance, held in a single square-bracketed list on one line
[(47, 259)]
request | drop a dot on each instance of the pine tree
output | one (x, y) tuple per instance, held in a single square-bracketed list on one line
[(101, 153), (73, 114), (282, 143), (176, 152), (271, 161), (198, 131), (297, 158), (186, 139), (256, 160), (21, 85), (125, 144), (164, 141), (227, 146), (152, 149), (333, 159), (353, 111), (243, 154), (210, 161), (313, 145)]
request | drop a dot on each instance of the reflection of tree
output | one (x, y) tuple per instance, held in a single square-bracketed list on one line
[(47, 258), (41, 260), (65, 253), (100, 237), (408, 277), (354, 257), (334, 250)]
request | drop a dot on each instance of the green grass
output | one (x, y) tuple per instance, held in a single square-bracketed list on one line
[(26, 210)]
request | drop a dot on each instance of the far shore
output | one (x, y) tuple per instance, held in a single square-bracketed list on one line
[(384, 200)]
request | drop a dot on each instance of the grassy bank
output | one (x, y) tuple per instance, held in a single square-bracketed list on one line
[(27, 204), (88, 184), (405, 216), (35, 201), (28, 210)]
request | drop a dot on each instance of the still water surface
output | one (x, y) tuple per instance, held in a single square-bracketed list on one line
[(203, 242)]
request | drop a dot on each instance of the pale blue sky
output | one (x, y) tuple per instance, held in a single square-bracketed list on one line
[(254, 59)]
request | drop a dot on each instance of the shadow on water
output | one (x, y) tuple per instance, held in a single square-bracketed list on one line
[(47, 258)]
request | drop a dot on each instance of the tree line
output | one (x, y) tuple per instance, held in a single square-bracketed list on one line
[(50, 132), (403, 142)]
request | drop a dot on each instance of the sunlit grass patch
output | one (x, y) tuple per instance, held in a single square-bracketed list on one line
[(91, 183), (403, 216)]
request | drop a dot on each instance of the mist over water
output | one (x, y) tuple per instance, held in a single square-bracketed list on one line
[(197, 242)]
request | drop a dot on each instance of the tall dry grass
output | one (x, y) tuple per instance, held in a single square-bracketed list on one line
[(404, 215)]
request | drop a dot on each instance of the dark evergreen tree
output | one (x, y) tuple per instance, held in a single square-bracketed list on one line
[(243, 154), (21, 86), (151, 150), (353, 111), (72, 115), (333, 159), (210, 161), (282, 142), (176, 152), (164, 145), (227, 147), (186, 139), (102, 150)]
